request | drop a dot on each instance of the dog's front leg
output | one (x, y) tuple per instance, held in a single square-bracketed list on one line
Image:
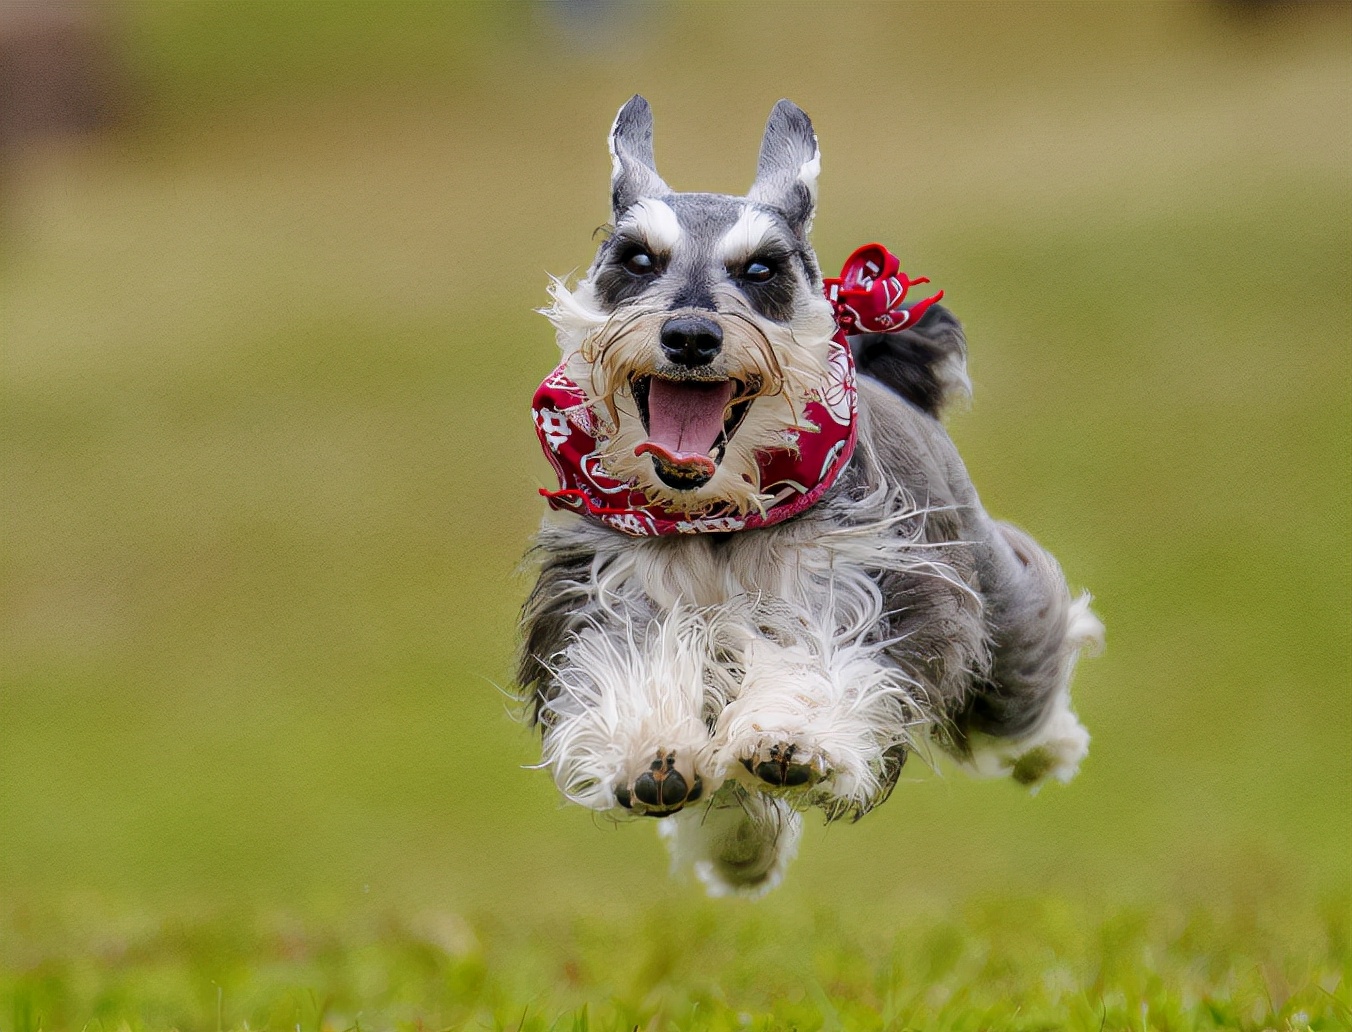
[(626, 721), (820, 723)]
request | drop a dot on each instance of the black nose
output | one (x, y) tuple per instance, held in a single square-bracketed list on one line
[(690, 340)]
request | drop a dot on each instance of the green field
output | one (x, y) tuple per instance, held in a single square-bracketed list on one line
[(267, 474)]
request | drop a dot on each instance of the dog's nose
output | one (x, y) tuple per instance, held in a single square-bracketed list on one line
[(690, 340)]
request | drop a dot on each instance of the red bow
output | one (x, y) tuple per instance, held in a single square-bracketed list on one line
[(869, 292)]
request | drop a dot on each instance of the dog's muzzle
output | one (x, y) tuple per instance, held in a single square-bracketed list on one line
[(690, 413)]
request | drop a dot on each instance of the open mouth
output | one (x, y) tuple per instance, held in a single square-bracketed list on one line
[(689, 424)]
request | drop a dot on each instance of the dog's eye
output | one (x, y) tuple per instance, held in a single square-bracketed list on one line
[(640, 263), (758, 272)]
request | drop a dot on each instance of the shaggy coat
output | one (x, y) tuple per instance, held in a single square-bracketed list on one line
[(731, 681)]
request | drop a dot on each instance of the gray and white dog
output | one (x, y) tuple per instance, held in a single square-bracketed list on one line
[(731, 681)]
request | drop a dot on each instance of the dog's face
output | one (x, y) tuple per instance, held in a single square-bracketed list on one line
[(700, 330)]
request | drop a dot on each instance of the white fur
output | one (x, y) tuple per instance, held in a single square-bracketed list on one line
[(953, 378), (787, 609), (656, 223), (573, 313), (837, 703), (736, 847), (746, 234), (1054, 750), (616, 164), (825, 576), (1051, 753), (802, 367), (624, 695), (809, 171), (1086, 629), (603, 351)]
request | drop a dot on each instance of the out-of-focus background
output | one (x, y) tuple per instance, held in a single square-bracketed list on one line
[(266, 291)]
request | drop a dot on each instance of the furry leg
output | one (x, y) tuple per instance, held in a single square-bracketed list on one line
[(1052, 752), (1056, 743), (828, 719), (740, 844), (626, 722)]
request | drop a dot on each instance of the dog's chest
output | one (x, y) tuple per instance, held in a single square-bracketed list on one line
[(780, 564)]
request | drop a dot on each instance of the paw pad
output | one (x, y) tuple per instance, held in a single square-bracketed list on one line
[(661, 790), (784, 765)]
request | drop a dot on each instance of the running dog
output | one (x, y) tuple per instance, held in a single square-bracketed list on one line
[(770, 578)]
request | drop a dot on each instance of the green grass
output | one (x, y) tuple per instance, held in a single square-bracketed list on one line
[(267, 476), (1015, 964)]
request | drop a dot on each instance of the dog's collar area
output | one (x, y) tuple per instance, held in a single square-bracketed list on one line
[(867, 297)]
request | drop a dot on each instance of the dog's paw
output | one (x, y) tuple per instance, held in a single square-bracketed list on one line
[(667, 785), (786, 764), (1052, 753)]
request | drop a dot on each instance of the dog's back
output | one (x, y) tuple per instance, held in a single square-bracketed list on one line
[(995, 657), (926, 364)]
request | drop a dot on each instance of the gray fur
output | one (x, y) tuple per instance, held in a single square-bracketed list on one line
[(631, 145), (789, 144), (693, 274), (558, 607), (991, 660), (926, 364), (1028, 614), (987, 659)]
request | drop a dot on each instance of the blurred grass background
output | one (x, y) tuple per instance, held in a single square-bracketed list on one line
[(267, 469)]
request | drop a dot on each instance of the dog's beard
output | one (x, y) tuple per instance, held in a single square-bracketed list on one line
[(688, 438)]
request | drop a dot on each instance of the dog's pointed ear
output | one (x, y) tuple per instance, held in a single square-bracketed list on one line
[(786, 176), (632, 171)]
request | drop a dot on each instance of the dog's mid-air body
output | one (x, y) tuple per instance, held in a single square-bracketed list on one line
[(724, 634)]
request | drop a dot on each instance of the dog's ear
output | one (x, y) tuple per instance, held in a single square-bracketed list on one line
[(786, 176), (632, 172)]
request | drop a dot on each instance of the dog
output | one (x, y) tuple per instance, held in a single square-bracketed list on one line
[(722, 634)]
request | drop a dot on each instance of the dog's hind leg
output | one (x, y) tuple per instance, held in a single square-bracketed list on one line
[(740, 844), (1020, 722)]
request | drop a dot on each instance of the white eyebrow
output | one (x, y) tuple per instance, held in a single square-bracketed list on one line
[(655, 222), (746, 234)]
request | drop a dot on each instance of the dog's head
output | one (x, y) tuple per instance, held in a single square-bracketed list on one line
[(700, 331)]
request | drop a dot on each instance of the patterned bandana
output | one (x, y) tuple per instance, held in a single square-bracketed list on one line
[(867, 298)]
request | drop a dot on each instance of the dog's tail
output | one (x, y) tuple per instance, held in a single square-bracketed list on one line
[(926, 365)]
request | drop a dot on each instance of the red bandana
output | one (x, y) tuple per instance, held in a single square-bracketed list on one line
[(867, 298)]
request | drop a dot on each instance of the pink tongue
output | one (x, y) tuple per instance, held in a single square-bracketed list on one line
[(685, 419)]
